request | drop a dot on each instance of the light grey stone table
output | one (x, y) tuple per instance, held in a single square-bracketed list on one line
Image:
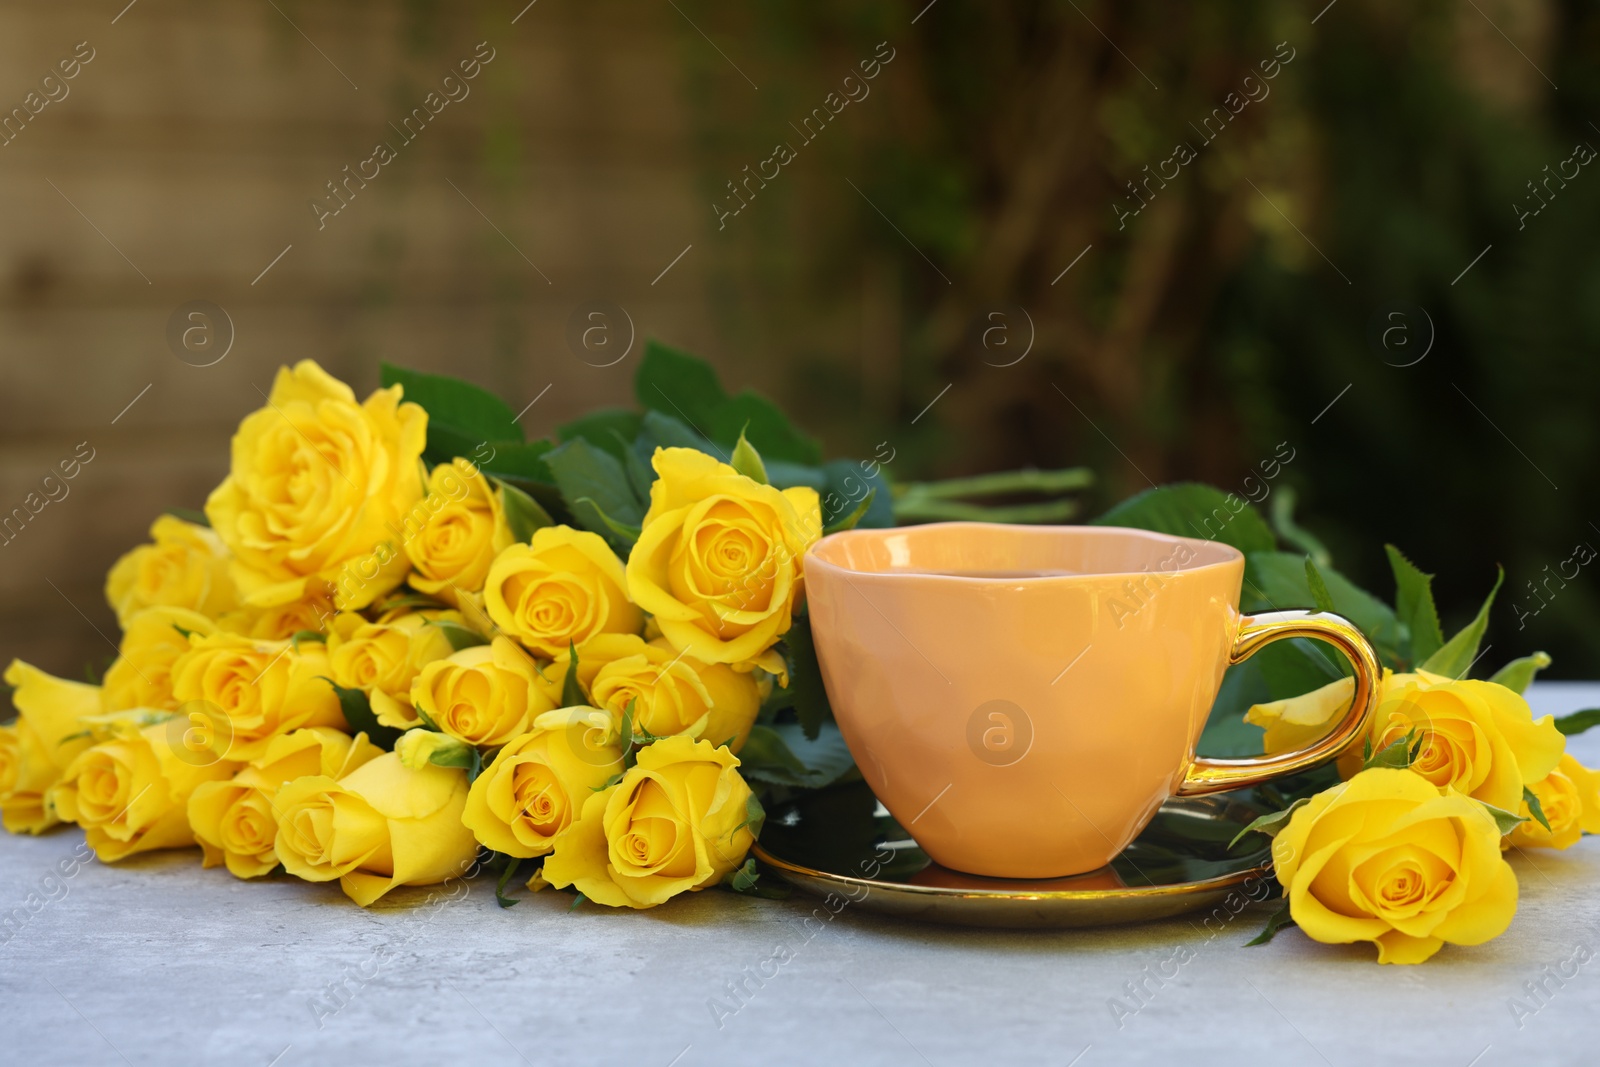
[(156, 961)]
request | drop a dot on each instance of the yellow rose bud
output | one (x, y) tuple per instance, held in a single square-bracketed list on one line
[(252, 691), (235, 822), (383, 658), (1569, 796), (418, 748), (678, 820), (151, 643), (185, 566), (317, 488), (40, 744), (131, 793), (378, 827), (538, 783), (455, 532), (718, 562), (562, 588), (1477, 737), (673, 693), (484, 695), (1387, 858)]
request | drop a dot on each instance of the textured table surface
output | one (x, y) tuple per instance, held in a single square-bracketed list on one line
[(159, 962)]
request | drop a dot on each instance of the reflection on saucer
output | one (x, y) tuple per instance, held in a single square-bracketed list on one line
[(938, 877)]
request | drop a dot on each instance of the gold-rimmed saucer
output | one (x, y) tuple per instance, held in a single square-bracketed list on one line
[(843, 842)]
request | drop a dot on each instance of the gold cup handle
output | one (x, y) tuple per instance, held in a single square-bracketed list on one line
[(1255, 633)]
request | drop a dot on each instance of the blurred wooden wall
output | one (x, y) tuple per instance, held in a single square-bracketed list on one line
[(193, 142)]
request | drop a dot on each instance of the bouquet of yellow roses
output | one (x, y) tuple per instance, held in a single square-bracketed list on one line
[(402, 640)]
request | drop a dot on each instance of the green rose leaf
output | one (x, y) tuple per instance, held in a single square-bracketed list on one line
[(458, 635), (597, 488), (1270, 824), (359, 715), (457, 410), (1319, 588), (1457, 655), (608, 429), (781, 755), (189, 515), (1505, 820), (1578, 721), (1190, 509), (1518, 674), (1413, 605), (1277, 921), (523, 513), (679, 385), (1275, 580), (1535, 808), (805, 692), (1282, 513)]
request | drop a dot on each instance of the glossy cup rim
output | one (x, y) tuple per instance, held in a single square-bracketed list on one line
[(1231, 555)]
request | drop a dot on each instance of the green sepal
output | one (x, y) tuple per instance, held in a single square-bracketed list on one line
[(458, 635), (747, 461), (523, 514), (1578, 721), (359, 715), (1319, 589), (1270, 824), (848, 522), (1535, 808), (579, 899), (1275, 922), (300, 635), (1504, 819), (1398, 754), (1518, 674), (500, 887), (572, 694), (1456, 656)]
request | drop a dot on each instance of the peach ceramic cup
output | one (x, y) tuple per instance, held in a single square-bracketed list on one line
[(1024, 698)]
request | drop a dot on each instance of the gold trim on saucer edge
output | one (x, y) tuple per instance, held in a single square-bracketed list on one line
[(1015, 908)]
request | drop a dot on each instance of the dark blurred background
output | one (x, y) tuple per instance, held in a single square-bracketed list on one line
[(995, 252)]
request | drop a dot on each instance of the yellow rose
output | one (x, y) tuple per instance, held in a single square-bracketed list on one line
[(484, 695), (380, 826), (455, 532), (312, 612), (1569, 796), (538, 783), (151, 643), (252, 691), (1387, 858), (40, 744), (186, 566), (131, 793), (235, 822), (671, 693), (383, 658), (316, 490), (1477, 737), (562, 588), (678, 820), (719, 560)]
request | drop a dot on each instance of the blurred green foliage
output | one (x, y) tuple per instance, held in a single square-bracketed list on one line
[(1253, 291)]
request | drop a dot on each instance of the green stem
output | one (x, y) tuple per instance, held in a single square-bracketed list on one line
[(923, 510), (1022, 481)]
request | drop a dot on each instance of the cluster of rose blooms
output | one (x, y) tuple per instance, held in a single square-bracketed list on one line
[(1408, 852), (336, 564)]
